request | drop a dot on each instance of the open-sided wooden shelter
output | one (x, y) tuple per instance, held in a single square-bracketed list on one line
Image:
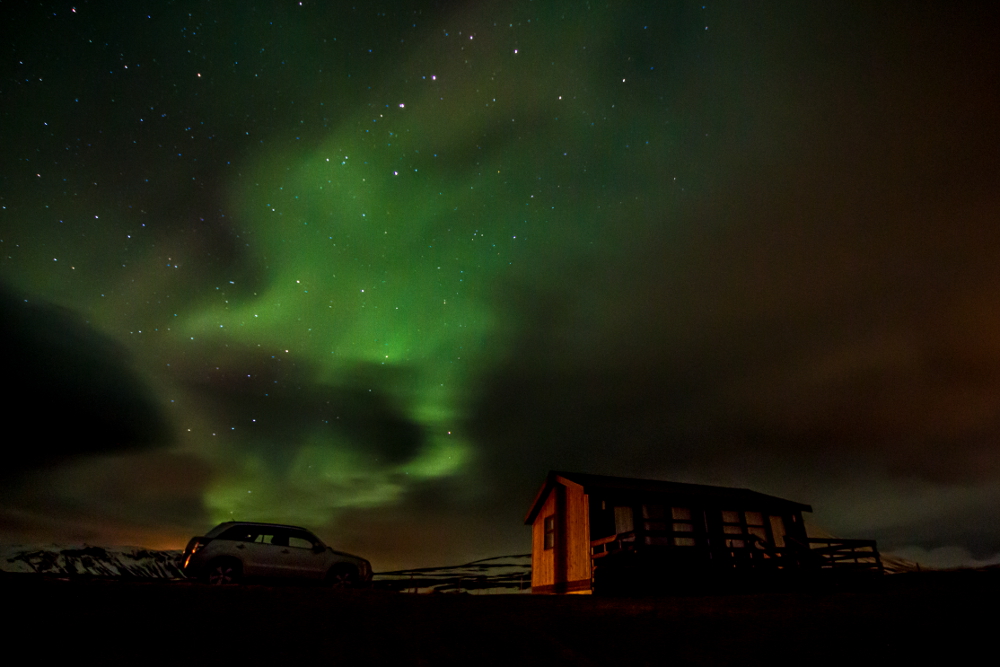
[(611, 532)]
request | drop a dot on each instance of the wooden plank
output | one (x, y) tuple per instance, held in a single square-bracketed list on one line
[(542, 563), (578, 565)]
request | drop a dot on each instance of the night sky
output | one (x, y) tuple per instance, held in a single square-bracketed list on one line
[(376, 269)]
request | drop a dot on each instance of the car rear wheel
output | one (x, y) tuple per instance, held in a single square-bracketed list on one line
[(342, 576), (223, 572)]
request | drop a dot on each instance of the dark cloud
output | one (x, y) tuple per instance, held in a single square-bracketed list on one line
[(132, 496), (275, 402), (72, 392)]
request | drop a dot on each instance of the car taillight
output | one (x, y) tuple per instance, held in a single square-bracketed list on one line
[(193, 547)]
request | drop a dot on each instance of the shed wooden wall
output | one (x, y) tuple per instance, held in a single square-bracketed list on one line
[(542, 561), (566, 568)]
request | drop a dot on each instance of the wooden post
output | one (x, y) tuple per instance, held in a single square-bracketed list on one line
[(560, 555)]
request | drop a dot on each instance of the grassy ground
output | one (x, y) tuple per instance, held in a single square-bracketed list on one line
[(912, 618)]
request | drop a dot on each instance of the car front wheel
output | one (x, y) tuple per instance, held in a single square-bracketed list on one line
[(223, 572), (342, 577)]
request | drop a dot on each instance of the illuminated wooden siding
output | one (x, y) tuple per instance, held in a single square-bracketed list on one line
[(595, 531), (560, 554)]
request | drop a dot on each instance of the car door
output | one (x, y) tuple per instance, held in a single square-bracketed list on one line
[(306, 557), (249, 545), (261, 558), (276, 558)]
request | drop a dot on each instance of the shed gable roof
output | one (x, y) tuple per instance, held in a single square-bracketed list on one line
[(592, 483)]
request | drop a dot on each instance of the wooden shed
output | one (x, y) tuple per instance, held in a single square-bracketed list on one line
[(596, 531)]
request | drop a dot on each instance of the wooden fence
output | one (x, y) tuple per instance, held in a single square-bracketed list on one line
[(747, 551)]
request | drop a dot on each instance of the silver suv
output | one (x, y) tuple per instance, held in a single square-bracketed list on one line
[(238, 550)]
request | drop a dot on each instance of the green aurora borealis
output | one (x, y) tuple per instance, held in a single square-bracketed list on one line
[(376, 269)]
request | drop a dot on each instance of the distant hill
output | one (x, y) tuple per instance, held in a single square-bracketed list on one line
[(502, 574), (85, 560), (897, 565)]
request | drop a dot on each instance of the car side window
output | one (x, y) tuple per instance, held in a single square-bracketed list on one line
[(240, 534), (299, 542)]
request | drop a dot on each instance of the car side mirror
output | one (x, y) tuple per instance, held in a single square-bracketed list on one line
[(318, 548)]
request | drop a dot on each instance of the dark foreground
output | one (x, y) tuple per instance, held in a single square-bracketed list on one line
[(919, 617)]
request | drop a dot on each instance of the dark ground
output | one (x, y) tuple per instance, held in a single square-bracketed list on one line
[(912, 618)]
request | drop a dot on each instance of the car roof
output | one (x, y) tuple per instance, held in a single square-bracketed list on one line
[(256, 524)]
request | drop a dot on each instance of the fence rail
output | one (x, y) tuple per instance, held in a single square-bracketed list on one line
[(748, 551), (841, 554), (608, 545)]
